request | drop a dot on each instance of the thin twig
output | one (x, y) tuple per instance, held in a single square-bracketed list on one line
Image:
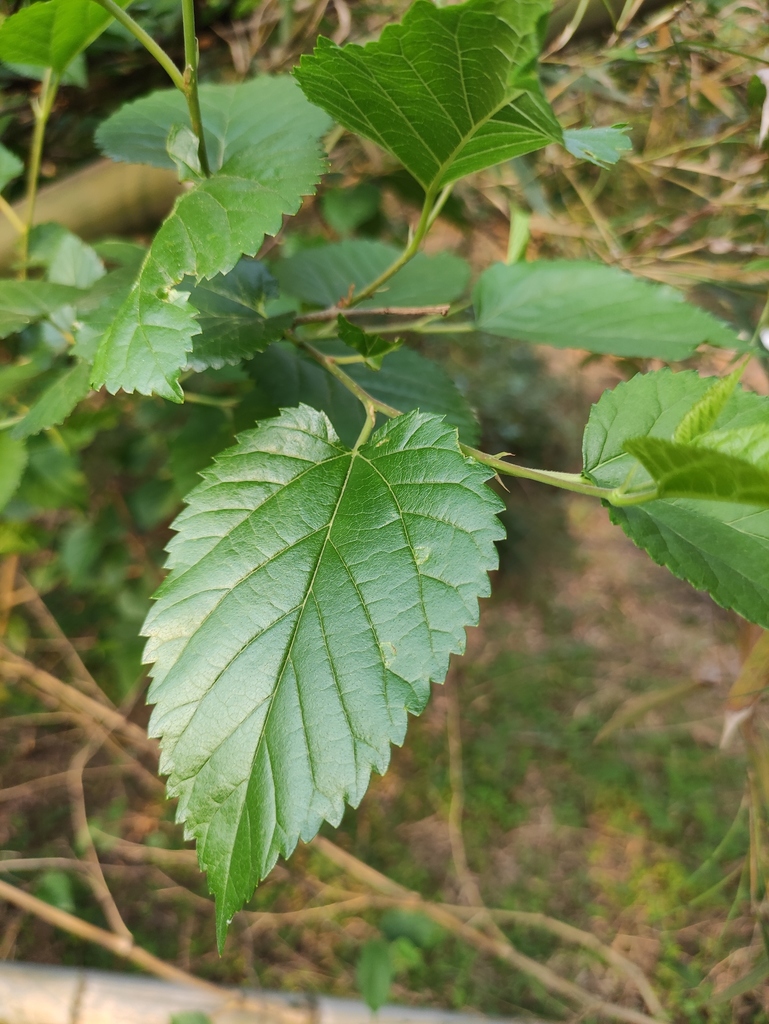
[(334, 311), (468, 887), (8, 568), (499, 947), (14, 665)]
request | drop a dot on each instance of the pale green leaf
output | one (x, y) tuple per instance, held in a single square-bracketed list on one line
[(13, 460), (720, 547), (267, 158), (593, 307), (53, 33), (58, 400), (231, 316), (696, 471), (750, 443), (10, 167), (183, 146), (67, 259), (602, 146), (325, 275), (704, 413), (449, 91), (25, 302), (315, 594), (373, 347), (406, 381)]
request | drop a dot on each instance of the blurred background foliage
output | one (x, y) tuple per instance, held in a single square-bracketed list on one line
[(617, 838)]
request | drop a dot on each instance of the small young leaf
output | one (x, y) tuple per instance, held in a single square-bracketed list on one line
[(266, 158), (10, 167), (449, 91), (375, 973), (56, 403), (13, 460), (25, 302), (315, 594), (406, 381), (721, 547), (53, 33), (704, 413), (694, 471), (182, 146), (373, 347), (601, 146), (327, 274), (593, 307), (231, 316)]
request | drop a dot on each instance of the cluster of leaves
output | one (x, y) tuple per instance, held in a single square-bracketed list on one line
[(326, 567)]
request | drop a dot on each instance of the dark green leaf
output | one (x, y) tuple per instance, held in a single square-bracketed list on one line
[(13, 460), (25, 302), (52, 478), (410, 924), (602, 146), (695, 471), (315, 593), (373, 347), (231, 316), (593, 307), (53, 33), (721, 547), (449, 91), (326, 275), (375, 973), (10, 167), (345, 209), (406, 381), (265, 160), (57, 401)]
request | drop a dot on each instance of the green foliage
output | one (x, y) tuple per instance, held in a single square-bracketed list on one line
[(718, 546), (328, 274), (13, 459), (57, 401), (598, 308), (231, 316), (51, 34), (375, 973), (602, 146), (348, 581), (266, 159), (10, 167), (406, 381), (25, 302)]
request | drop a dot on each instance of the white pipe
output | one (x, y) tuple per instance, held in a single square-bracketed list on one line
[(39, 994)]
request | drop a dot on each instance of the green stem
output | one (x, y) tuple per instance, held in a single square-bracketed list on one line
[(42, 110), (147, 42), (216, 401), (566, 481), (191, 81), (430, 210)]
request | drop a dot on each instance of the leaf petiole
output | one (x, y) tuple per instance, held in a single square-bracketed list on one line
[(41, 108), (431, 207), (190, 88)]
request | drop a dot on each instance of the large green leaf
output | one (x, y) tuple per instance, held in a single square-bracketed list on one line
[(406, 381), (57, 401), (53, 33), (266, 159), (231, 316), (315, 594), (720, 547), (13, 460), (25, 302), (325, 275), (594, 307), (449, 91)]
